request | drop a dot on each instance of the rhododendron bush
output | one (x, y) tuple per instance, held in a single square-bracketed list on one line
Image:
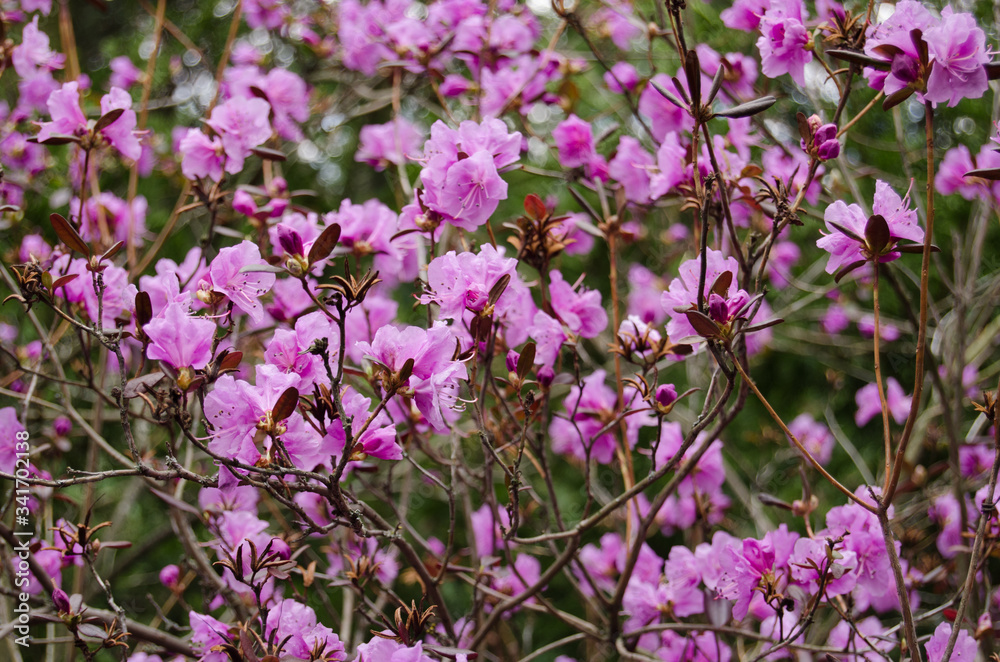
[(453, 330)]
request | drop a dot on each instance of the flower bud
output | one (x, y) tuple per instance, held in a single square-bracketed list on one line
[(62, 426), (61, 601), (717, 309), (666, 394), (512, 358), (545, 376), (170, 575)]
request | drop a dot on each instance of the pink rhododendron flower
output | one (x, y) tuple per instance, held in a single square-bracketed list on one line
[(124, 73), (434, 379), (202, 156), (845, 250), (580, 310), (869, 405), (243, 289), (180, 339), (965, 645), (68, 119), (587, 412), (461, 172), (575, 141), (745, 14), (295, 624), (958, 49), (463, 282), (621, 77), (683, 293), (242, 124), (33, 52), (783, 40), (382, 144), (814, 436), (630, 167)]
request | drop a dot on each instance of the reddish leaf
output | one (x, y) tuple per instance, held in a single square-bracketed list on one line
[(59, 282), (722, 284), (526, 360), (285, 406), (534, 207), (58, 139), (877, 234), (325, 244), (846, 270), (498, 288), (704, 325), (859, 58), (406, 371), (143, 308), (108, 118), (230, 361), (68, 234), (803, 123), (111, 252), (985, 173), (692, 71), (897, 97)]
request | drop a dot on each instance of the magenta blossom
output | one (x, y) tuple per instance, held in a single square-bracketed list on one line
[(434, 380), (784, 41), (575, 141), (847, 241), (965, 646), (68, 119), (382, 144), (225, 276), (242, 124), (463, 282), (580, 310), (581, 432), (682, 295), (461, 178), (180, 339), (958, 49), (869, 405)]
